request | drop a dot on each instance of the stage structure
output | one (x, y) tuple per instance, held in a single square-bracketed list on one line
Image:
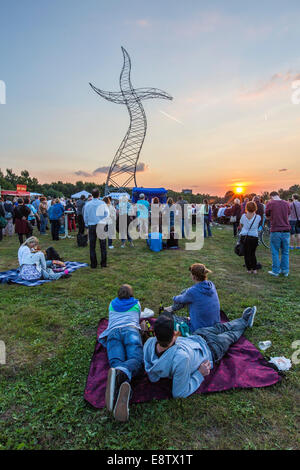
[(124, 165)]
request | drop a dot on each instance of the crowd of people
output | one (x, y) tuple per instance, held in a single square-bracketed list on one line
[(186, 358), (21, 215)]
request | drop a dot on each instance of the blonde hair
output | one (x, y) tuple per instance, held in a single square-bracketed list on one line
[(31, 240), (237, 201)]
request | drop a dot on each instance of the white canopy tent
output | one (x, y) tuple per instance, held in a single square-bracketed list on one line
[(81, 193)]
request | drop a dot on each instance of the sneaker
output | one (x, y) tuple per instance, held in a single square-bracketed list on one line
[(123, 245), (114, 379), (285, 274), (248, 315), (111, 247), (121, 410), (273, 274)]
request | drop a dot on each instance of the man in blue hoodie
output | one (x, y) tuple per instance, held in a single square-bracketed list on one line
[(202, 299), (122, 338), (55, 212), (188, 360)]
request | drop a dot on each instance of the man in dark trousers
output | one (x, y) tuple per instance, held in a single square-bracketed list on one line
[(95, 211), (80, 206)]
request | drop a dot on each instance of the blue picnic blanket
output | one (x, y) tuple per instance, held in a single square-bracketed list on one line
[(12, 276)]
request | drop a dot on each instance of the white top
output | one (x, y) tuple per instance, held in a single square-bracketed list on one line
[(23, 253), (246, 223)]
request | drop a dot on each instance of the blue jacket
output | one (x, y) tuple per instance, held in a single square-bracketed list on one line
[(203, 304), (180, 363), (56, 211)]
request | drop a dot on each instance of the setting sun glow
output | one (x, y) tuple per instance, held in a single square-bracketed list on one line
[(239, 190)]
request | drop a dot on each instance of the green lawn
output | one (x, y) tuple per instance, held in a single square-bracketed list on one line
[(50, 334)]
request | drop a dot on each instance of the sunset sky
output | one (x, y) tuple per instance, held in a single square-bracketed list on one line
[(229, 66)]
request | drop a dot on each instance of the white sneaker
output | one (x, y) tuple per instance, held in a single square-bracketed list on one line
[(123, 246), (273, 274), (111, 247)]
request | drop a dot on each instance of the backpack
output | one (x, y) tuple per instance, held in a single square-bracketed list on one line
[(82, 240)]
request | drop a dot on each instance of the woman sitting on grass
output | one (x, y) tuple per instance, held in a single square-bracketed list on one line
[(123, 341), (201, 299), (33, 264)]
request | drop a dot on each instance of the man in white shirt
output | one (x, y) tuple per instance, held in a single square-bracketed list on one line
[(93, 214)]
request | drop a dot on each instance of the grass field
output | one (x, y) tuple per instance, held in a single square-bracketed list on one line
[(50, 334)]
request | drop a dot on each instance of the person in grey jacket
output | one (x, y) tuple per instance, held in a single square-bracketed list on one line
[(188, 360)]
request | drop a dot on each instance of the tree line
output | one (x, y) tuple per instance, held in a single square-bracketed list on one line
[(58, 189)]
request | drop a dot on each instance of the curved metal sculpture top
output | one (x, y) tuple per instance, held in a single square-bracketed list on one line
[(126, 158)]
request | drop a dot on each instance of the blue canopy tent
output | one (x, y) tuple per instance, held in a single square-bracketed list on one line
[(150, 193)]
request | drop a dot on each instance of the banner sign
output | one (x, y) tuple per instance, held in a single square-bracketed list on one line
[(21, 187)]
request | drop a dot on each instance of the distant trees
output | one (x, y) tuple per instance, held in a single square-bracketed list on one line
[(58, 189)]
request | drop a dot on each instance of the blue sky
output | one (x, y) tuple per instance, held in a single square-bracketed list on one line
[(229, 66)]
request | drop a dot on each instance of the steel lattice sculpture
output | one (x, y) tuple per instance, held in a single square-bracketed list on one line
[(124, 164)]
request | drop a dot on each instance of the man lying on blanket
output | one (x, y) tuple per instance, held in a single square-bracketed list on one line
[(123, 341), (187, 360)]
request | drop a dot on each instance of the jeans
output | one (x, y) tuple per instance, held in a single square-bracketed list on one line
[(221, 336), (125, 350), (49, 274), (280, 241), (43, 224), (207, 225), (92, 239)]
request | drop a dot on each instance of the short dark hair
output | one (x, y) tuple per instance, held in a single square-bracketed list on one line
[(82, 196), (164, 329), (95, 193), (251, 207), (274, 193), (125, 292), (20, 200), (26, 200), (296, 196)]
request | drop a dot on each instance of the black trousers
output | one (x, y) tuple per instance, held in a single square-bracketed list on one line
[(55, 224), (92, 240), (80, 221), (250, 244)]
